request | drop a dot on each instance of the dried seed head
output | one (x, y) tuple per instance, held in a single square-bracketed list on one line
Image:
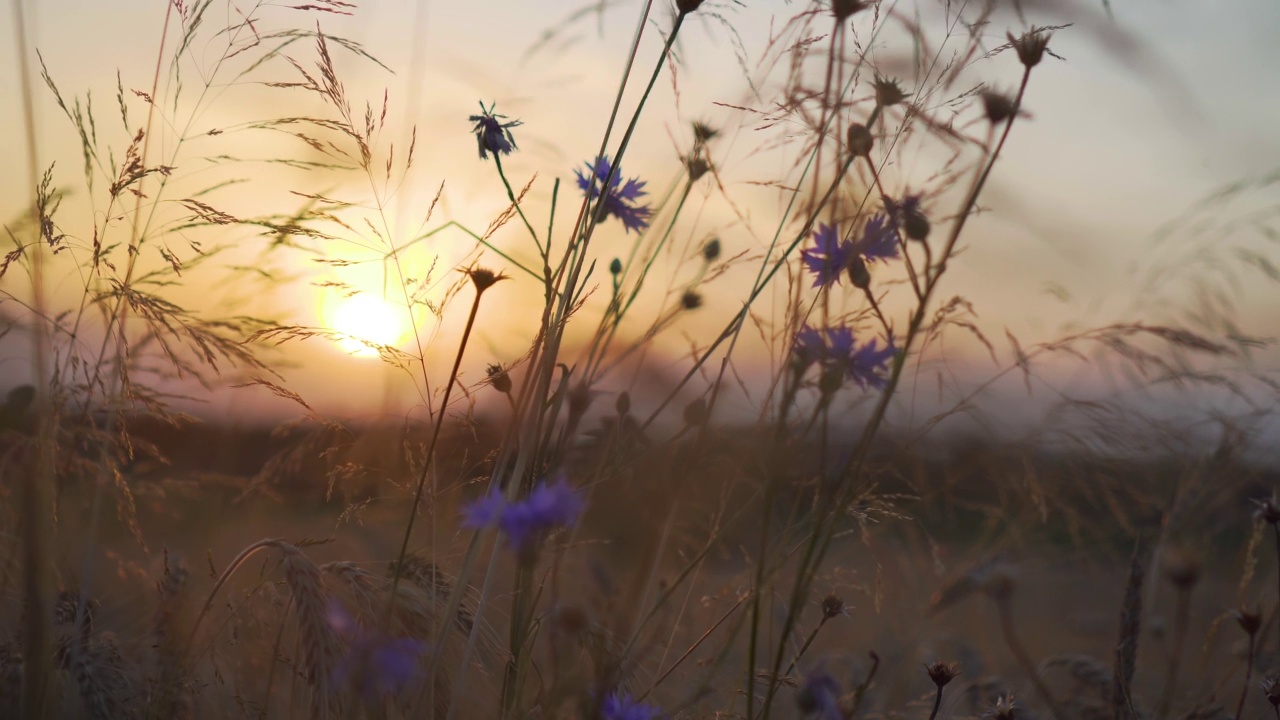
[(1031, 46), (832, 605), (687, 6), (695, 413), (1250, 619), (859, 275), (623, 403), (1005, 708), (844, 9), (1181, 568), (691, 300), (998, 106), (1271, 688), (615, 267), (888, 92), (499, 378), (711, 251), (942, 673), (484, 278), (860, 140), (697, 167)]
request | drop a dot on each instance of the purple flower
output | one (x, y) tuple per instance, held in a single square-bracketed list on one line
[(829, 257), (879, 239), (374, 666), (842, 358), (548, 506), (819, 695), (620, 200), (621, 707), (492, 135)]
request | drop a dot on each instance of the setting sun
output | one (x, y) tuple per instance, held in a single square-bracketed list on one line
[(366, 318)]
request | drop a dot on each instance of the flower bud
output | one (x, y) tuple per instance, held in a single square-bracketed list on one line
[(998, 106), (844, 9), (859, 275), (860, 140), (942, 673), (687, 6), (888, 93), (916, 226), (615, 267), (691, 300), (1030, 46), (499, 378), (711, 250)]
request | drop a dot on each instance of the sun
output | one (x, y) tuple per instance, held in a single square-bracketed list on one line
[(369, 318)]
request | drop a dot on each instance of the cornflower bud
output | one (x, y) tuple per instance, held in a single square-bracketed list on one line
[(832, 606), (691, 300), (615, 267), (1250, 620), (711, 250), (499, 378), (916, 225), (697, 167), (942, 673), (687, 6), (859, 275), (860, 140)]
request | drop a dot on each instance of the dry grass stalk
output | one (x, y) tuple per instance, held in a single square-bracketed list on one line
[(1122, 700)]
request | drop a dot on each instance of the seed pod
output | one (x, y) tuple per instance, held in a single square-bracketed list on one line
[(916, 226), (711, 250)]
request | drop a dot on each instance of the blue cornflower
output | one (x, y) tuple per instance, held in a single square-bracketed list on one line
[(620, 200), (829, 257), (879, 239), (820, 696), (621, 707), (548, 506), (493, 135), (842, 358), (374, 666)]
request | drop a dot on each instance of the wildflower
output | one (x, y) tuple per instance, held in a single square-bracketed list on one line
[(620, 706), (493, 135), (860, 140), (842, 358), (620, 200), (1005, 708), (908, 216), (547, 507), (373, 666), (483, 278), (832, 606), (1031, 46), (820, 695), (499, 378), (687, 6), (998, 106), (888, 92), (942, 673), (830, 256)]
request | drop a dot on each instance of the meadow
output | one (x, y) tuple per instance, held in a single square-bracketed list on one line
[(608, 446)]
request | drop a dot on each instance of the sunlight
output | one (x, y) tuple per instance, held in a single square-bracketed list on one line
[(368, 318)]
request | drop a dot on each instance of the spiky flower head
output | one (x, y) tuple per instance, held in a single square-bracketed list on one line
[(942, 673), (998, 106), (483, 278), (1031, 45), (830, 257), (620, 706), (492, 134), (620, 200), (888, 92), (841, 358), (703, 133), (697, 167), (1005, 708), (832, 606)]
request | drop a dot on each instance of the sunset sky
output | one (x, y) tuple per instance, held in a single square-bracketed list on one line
[(1153, 109)]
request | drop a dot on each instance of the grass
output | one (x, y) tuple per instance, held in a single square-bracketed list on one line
[(584, 531)]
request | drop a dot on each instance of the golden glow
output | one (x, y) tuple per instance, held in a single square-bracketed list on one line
[(369, 318)]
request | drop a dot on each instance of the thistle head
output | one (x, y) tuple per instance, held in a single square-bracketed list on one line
[(484, 278), (1031, 46), (888, 92)]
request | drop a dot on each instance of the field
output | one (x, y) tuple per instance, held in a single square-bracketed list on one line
[(329, 396)]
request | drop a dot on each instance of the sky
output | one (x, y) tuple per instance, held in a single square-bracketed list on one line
[(1150, 109)]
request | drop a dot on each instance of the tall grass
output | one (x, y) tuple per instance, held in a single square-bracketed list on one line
[(590, 546)]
